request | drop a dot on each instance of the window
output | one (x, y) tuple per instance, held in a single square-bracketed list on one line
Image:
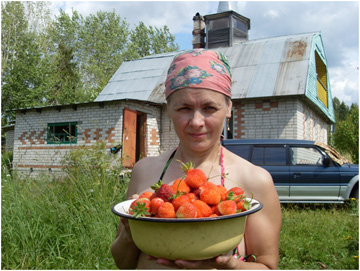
[(321, 72), (269, 156), (219, 23), (305, 156), (62, 133), (242, 26), (241, 150), (229, 127)]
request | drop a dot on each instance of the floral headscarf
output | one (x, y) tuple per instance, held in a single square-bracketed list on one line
[(199, 68)]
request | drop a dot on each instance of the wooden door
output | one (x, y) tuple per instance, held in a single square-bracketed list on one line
[(129, 138)]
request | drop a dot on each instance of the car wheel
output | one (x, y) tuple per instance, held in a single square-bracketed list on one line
[(355, 193)]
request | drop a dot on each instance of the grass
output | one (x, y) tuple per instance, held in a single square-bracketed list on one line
[(67, 223), (62, 223), (320, 236)]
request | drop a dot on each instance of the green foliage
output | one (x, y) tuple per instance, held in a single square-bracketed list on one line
[(346, 136), (6, 162), (150, 40), (69, 58), (62, 223), (13, 28), (93, 162), (67, 223), (102, 42), (24, 70)]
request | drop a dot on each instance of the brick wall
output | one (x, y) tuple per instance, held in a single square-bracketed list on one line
[(153, 132), (96, 123), (311, 126), (267, 118), (277, 118), (169, 139)]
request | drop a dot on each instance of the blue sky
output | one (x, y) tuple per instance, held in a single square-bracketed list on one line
[(338, 22)]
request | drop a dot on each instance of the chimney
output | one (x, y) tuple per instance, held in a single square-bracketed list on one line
[(224, 6), (198, 31), (225, 28)]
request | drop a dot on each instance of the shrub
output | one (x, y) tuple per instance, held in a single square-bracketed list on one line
[(6, 161)]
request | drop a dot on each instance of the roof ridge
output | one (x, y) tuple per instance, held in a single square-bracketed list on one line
[(284, 36)]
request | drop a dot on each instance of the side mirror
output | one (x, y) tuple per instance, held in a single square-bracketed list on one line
[(326, 161)]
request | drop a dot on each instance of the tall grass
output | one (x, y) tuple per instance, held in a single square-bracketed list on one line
[(62, 223), (67, 223)]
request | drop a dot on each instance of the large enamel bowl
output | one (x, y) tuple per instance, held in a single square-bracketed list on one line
[(186, 239)]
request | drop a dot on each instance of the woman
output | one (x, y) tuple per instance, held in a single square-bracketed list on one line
[(198, 93)]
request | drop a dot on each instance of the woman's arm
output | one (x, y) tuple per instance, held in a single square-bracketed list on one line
[(262, 231), (124, 250)]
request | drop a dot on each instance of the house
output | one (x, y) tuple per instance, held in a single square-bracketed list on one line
[(281, 89)]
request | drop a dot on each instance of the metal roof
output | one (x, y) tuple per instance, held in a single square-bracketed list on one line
[(141, 79), (276, 66)]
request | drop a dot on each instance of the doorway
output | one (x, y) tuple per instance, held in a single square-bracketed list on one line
[(134, 137)]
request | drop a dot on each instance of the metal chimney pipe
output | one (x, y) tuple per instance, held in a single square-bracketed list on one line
[(223, 6)]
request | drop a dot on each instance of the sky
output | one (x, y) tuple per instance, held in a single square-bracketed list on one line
[(337, 21)]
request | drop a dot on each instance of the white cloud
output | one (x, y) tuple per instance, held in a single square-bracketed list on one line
[(344, 83), (177, 15), (272, 14)]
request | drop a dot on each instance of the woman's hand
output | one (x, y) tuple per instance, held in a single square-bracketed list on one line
[(219, 262)]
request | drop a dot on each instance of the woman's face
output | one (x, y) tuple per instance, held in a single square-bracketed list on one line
[(198, 116)]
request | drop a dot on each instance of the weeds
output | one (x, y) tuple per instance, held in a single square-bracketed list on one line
[(67, 223)]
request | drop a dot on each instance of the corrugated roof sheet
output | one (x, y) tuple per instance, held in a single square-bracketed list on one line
[(260, 68), (139, 79)]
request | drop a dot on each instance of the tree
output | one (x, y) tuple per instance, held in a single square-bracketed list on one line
[(69, 58), (140, 43), (24, 68), (13, 27), (65, 84), (102, 41), (341, 109), (146, 41), (346, 136), (162, 41)]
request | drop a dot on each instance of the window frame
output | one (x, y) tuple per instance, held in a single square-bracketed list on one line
[(264, 152), (73, 133), (321, 79)]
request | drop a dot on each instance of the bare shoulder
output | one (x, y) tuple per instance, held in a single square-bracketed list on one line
[(146, 172), (253, 178)]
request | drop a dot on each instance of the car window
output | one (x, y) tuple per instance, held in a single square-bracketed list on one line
[(305, 156), (269, 156)]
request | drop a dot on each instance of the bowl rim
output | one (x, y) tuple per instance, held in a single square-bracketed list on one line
[(255, 207)]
